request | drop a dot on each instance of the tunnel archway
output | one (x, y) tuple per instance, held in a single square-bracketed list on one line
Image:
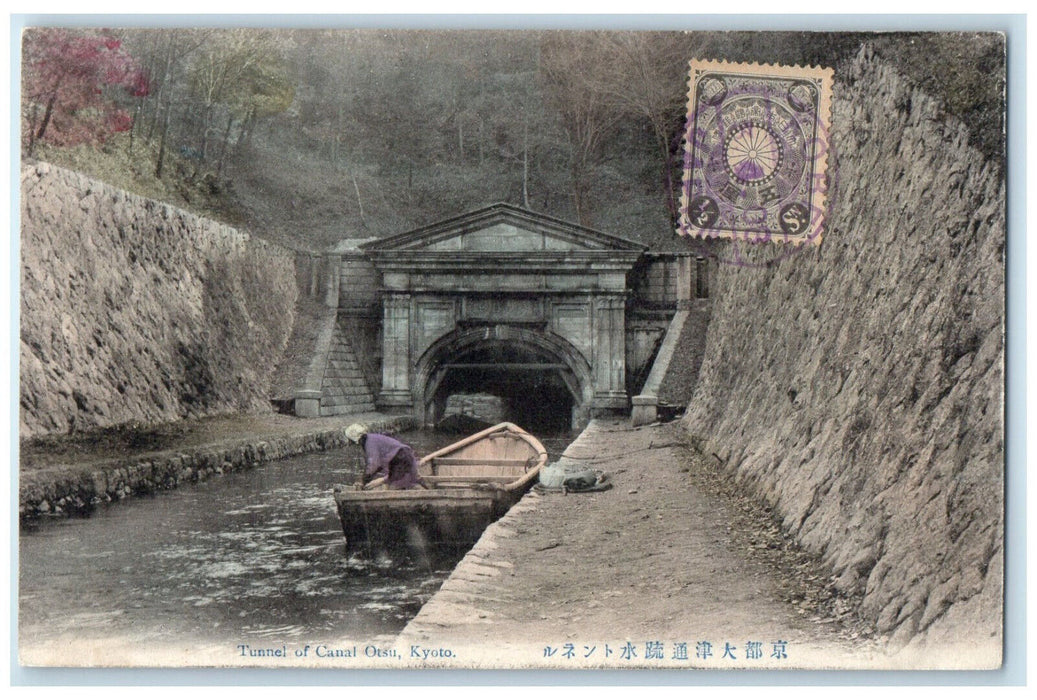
[(544, 383)]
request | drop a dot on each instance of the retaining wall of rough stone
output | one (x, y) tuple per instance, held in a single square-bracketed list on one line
[(133, 311), (858, 386), (78, 490)]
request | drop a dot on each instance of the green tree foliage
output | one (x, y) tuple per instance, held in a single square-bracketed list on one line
[(239, 76), (318, 135)]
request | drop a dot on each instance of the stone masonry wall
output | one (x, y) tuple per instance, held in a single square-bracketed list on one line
[(858, 386), (78, 490), (133, 311)]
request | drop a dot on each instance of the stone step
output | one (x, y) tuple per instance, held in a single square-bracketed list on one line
[(343, 377), (344, 389), (354, 406), (340, 378), (346, 410), (330, 403), (341, 367), (347, 398), (357, 407), (348, 370), (355, 386), (331, 400)]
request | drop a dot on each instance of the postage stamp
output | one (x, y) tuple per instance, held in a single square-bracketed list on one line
[(755, 152)]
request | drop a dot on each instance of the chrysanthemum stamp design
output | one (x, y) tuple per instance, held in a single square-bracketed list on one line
[(755, 152)]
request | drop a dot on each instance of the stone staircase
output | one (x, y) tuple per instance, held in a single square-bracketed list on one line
[(343, 388)]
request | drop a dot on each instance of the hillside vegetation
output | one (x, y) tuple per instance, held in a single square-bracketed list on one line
[(305, 137)]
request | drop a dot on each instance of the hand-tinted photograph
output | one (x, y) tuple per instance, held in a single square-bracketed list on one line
[(511, 349)]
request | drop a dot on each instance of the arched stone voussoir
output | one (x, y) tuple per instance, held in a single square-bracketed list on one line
[(429, 372)]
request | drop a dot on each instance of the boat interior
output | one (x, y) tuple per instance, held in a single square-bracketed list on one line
[(500, 454)]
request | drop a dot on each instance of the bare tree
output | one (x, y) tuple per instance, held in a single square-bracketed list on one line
[(647, 80), (572, 69), (179, 45)]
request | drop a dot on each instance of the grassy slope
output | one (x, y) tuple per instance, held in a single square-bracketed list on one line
[(114, 163)]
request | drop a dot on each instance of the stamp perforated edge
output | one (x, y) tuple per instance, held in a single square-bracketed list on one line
[(824, 76)]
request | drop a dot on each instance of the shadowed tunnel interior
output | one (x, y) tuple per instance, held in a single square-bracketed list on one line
[(530, 385)]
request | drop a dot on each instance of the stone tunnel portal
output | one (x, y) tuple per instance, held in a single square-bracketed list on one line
[(537, 385), (506, 301), (541, 320)]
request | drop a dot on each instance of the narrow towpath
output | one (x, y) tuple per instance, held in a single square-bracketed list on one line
[(641, 575), (67, 453), (86, 468)]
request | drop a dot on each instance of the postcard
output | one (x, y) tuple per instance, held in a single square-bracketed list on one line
[(393, 348)]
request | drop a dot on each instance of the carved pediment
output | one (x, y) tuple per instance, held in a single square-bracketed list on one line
[(502, 229)]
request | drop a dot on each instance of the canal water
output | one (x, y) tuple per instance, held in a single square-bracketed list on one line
[(255, 556)]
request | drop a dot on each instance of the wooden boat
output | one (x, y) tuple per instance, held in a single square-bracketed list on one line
[(470, 484)]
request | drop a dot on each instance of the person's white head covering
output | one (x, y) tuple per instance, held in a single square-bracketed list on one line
[(355, 432)]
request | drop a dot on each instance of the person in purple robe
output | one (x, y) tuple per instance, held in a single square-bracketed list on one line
[(386, 457)]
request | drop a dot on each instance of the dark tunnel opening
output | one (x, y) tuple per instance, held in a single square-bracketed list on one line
[(530, 386)]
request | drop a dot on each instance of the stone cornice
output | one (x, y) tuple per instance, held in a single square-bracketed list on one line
[(502, 213), (555, 262)]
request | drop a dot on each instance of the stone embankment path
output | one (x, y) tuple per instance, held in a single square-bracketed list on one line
[(65, 474), (639, 576)]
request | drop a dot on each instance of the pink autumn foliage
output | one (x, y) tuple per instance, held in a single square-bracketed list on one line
[(76, 85), (120, 120)]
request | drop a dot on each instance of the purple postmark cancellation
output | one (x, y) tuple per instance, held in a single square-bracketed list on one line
[(755, 152)]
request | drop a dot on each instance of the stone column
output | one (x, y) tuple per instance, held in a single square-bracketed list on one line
[(396, 390), (610, 392), (333, 270), (685, 278)]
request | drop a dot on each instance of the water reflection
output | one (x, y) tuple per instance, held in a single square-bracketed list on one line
[(253, 555)]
